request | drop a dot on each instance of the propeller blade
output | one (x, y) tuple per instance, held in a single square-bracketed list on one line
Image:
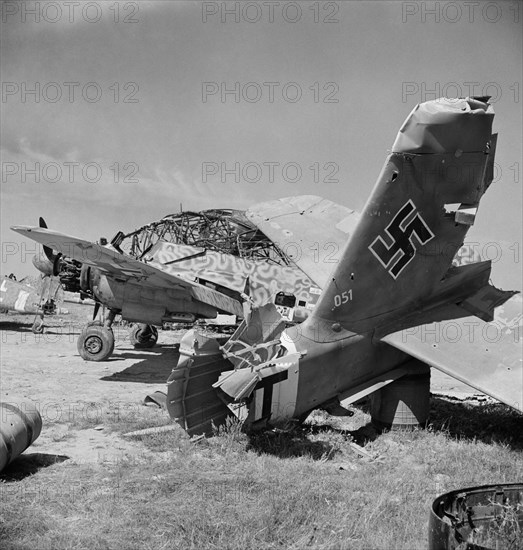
[(96, 309), (47, 251)]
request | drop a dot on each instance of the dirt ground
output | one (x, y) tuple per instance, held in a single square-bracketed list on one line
[(76, 398), (79, 400)]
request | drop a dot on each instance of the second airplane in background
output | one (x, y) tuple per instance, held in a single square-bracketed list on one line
[(184, 267)]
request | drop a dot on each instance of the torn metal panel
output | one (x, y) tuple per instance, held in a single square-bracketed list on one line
[(484, 302), (237, 384), (446, 125), (466, 214), (158, 398), (240, 383), (257, 339)]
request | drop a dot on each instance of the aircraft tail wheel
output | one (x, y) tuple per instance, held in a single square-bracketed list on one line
[(96, 343), (143, 336), (38, 326)]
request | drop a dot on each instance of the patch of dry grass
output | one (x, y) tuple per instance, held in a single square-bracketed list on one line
[(303, 488)]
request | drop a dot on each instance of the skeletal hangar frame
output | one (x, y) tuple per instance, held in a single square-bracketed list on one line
[(223, 230)]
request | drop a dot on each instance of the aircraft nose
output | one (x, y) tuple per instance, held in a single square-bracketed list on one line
[(43, 264)]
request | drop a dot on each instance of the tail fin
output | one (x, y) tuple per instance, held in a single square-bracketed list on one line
[(416, 218)]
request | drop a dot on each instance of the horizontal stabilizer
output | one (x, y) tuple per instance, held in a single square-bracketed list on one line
[(483, 303), (484, 355)]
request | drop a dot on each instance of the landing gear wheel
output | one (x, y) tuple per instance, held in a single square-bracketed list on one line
[(96, 343), (38, 326), (143, 336)]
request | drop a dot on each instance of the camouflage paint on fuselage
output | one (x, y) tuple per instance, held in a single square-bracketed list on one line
[(16, 296), (260, 279)]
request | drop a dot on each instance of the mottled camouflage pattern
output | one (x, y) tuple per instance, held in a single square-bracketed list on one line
[(18, 297), (259, 279)]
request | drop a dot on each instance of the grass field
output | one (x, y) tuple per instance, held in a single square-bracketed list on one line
[(309, 487)]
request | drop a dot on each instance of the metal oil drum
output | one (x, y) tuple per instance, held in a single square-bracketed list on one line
[(20, 425), (489, 517)]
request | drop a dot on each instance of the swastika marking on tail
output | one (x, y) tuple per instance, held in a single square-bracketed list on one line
[(400, 232)]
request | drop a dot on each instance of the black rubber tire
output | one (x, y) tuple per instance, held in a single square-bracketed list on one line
[(95, 343), (143, 336)]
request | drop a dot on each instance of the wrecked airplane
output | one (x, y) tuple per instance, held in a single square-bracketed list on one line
[(24, 298), (395, 274), (394, 271), (188, 266)]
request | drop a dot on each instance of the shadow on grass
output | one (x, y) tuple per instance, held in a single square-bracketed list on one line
[(155, 367), (155, 352), (17, 326), (488, 422), (465, 420), (26, 327), (292, 443), (28, 464)]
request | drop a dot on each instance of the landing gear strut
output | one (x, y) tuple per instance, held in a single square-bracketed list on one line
[(143, 336), (96, 341)]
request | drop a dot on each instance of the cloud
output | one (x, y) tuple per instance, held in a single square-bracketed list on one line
[(105, 194)]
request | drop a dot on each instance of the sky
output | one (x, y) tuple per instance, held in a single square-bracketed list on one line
[(114, 114)]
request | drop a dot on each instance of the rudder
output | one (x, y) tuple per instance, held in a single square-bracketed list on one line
[(416, 218)]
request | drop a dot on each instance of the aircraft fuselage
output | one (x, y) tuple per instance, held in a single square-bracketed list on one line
[(324, 372), (228, 274), (19, 297)]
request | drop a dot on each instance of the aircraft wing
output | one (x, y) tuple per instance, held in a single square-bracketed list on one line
[(312, 231), (122, 267), (484, 355)]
